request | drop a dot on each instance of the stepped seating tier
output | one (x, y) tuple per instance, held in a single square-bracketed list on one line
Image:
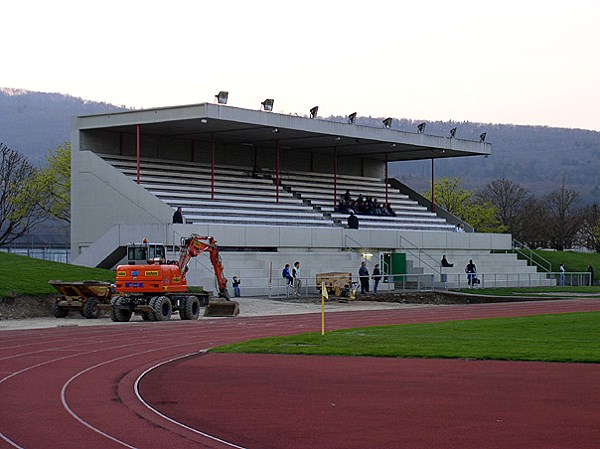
[(234, 196)]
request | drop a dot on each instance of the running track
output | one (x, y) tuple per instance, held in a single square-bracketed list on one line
[(113, 387)]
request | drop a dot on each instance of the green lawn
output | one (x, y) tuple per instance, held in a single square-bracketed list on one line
[(573, 337), (23, 275), (531, 291), (574, 262)]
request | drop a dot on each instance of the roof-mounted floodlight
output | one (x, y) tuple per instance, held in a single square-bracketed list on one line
[(275, 130), (352, 118), (313, 112), (387, 123), (453, 132), (222, 97), (421, 127), (268, 104), (482, 137)]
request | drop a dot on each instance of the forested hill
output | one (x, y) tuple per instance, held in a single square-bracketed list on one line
[(536, 157), (34, 122)]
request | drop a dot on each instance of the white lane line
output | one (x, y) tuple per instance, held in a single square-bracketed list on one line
[(162, 415)]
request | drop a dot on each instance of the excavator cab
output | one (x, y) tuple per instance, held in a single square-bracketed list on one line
[(146, 253)]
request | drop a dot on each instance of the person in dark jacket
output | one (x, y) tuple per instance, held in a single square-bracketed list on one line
[(178, 216), (376, 277), (363, 273), (352, 221)]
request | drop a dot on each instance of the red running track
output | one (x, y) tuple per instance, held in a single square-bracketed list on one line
[(77, 387)]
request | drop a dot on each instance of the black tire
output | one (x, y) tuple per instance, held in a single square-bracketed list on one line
[(119, 315), (151, 302), (189, 308), (90, 308), (146, 316), (57, 311), (162, 308)]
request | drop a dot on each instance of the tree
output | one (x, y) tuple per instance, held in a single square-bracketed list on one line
[(51, 186), (19, 211), (450, 195), (509, 199), (590, 229), (563, 219)]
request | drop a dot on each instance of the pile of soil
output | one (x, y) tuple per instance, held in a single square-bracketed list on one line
[(19, 307)]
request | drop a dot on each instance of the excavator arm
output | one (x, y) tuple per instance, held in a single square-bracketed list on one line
[(195, 245)]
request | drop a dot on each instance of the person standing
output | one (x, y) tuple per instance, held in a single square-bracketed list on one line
[(285, 273), (590, 270), (178, 216), (561, 269), (363, 274), (352, 221), (297, 281), (376, 277), (471, 271), (236, 286)]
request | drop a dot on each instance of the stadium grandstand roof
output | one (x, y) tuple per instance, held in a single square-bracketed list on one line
[(256, 128)]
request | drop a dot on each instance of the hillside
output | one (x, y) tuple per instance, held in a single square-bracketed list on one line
[(34, 122), (536, 157)]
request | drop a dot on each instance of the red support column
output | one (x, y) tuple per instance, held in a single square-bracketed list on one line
[(137, 147), (212, 166), (334, 177), (277, 171), (432, 188), (386, 179)]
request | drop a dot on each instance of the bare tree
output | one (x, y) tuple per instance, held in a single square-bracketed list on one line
[(18, 207), (509, 198), (563, 217)]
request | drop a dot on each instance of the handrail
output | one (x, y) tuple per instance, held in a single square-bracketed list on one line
[(436, 263), (358, 244), (530, 255)]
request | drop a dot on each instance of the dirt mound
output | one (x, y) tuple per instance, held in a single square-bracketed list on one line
[(19, 307)]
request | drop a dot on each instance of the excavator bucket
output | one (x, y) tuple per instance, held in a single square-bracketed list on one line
[(222, 307)]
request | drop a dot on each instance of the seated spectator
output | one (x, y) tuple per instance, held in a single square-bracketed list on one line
[(178, 216), (343, 206), (346, 196), (445, 262), (382, 211), (390, 211), (352, 221)]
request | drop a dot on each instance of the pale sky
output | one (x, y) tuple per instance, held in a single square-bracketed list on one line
[(523, 62)]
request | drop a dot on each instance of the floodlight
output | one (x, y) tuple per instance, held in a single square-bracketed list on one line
[(387, 123), (352, 117), (275, 130), (421, 127), (452, 132), (268, 104), (222, 97), (482, 137), (313, 112)]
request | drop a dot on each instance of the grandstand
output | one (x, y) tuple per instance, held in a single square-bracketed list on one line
[(266, 186)]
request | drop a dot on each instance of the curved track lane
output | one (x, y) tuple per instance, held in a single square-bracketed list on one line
[(75, 387)]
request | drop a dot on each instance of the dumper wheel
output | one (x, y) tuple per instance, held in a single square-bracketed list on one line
[(189, 308), (162, 308), (90, 308), (58, 311), (119, 315)]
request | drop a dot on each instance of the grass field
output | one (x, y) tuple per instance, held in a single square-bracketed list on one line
[(542, 292), (574, 262), (573, 337), (21, 275)]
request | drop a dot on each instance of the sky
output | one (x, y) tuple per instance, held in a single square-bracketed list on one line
[(524, 62)]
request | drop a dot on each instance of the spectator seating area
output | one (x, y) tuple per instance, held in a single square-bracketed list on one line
[(304, 199), (239, 198), (318, 191)]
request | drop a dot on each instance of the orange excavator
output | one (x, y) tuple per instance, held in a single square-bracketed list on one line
[(155, 288)]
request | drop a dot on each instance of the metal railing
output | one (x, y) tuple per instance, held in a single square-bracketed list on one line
[(44, 253), (531, 256)]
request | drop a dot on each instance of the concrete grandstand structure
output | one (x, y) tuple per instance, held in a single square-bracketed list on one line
[(265, 185)]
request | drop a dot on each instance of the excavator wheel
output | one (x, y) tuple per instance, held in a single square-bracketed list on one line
[(162, 308), (90, 308), (189, 308), (119, 315), (149, 316)]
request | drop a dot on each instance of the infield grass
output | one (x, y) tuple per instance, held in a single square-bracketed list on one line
[(572, 337)]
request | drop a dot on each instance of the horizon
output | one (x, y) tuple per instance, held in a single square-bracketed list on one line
[(520, 63)]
